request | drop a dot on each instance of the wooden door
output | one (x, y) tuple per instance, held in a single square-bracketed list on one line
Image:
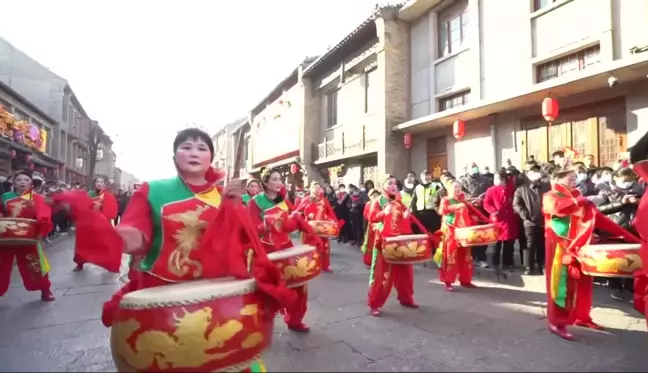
[(613, 138), (436, 164)]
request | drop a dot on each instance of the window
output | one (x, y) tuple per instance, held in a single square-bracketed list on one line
[(453, 101), (453, 28), (370, 93), (331, 109), (568, 64), (539, 4)]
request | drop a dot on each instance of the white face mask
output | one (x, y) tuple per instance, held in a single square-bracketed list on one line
[(534, 176), (581, 177), (624, 184), (409, 185)]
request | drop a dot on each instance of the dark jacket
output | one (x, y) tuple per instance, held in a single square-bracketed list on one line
[(609, 202), (475, 185), (527, 202), (357, 203)]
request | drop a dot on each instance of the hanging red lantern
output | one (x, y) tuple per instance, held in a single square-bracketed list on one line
[(458, 129), (28, 157), (407, 140), (550, 109), (31, 166), (294, 168)]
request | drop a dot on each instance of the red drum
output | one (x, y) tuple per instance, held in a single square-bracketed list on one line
[(325, 228), (18, 231), (298, 264), (610, 260), (197, 326), (476, 235), (407, 249)]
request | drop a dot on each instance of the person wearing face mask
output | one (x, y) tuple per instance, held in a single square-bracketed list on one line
[(396, 220), (32, 263), (454, 260), (475, 186), (317, 208), (104, 202), (583, 182), (602, 179), (620, 203), (527, 203), (407, 193), (498, 202), (423, 205), (570, 220)]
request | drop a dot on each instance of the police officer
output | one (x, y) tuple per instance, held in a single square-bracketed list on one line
[(407, 193), (423, 203)]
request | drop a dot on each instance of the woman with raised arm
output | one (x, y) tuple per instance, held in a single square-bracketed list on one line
[(103, 201), (274, 218), (184, 228), (32, 263)]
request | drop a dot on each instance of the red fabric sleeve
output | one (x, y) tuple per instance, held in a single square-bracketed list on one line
[(444, 207), (375, 212), (301, 206), (109, 207), (489, 202), (97, 241), (43, 215), (138, 213), (365, 212), (255, 217)]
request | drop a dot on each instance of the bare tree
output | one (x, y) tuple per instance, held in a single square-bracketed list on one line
[(95, 135)]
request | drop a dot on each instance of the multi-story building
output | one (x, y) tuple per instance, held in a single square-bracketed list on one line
[(277, 127), (124, 180), (225, 146), (15, 155), (491, 69), (355, 93), (54, 96), (106, 158), (240, 138)]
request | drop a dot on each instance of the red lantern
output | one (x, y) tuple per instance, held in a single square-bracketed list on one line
[(407, 140), (458, 129), (550, 109), (294, 168), (27, 157), (13, 153), (31, 166)]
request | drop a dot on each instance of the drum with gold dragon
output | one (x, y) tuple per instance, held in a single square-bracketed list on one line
[(198, 326), (18, 231), (298, 264), (476, 235), (610, 260), (407, 249), (325, 228)]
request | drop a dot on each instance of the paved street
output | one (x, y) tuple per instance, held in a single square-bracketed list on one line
[(493, 328)]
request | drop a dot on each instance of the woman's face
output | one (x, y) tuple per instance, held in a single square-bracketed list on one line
[(275, 182), (193, 156), (330, 190), (100, 184), (253, 189), (391, 186), (456, 188), (369, 185), (22, 182), (318, 191), (569, 181)]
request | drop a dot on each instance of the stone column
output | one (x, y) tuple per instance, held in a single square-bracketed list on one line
[(394, 69)]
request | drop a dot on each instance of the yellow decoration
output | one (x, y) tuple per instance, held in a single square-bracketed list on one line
[(413, 249), (211, 197), (303, 267), (186, 241), (185, 348), (43, 138)]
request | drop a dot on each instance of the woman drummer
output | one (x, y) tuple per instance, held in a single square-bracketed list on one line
[(177, 226), (275, 218), (103, 201), (32, 263)]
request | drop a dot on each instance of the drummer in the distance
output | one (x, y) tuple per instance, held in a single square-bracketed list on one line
[(389, 217), (32, 263), (177, 227), (275, 218), (454, 260)]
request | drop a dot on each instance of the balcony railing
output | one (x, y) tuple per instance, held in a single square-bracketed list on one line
[(346, 142)]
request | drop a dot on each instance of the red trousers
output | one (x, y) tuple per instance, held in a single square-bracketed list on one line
[(29, 267), (385, 276), (457, 262), (294, 315), (579, 296)]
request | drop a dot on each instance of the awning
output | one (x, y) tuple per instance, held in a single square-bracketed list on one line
[(629, 69)]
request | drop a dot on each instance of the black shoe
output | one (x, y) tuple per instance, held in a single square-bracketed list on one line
[(529, 271)]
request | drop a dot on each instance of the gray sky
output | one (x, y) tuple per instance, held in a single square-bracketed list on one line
[(144, 69)]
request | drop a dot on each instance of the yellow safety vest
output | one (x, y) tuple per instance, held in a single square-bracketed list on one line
[(406, 198), (425, 197)]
